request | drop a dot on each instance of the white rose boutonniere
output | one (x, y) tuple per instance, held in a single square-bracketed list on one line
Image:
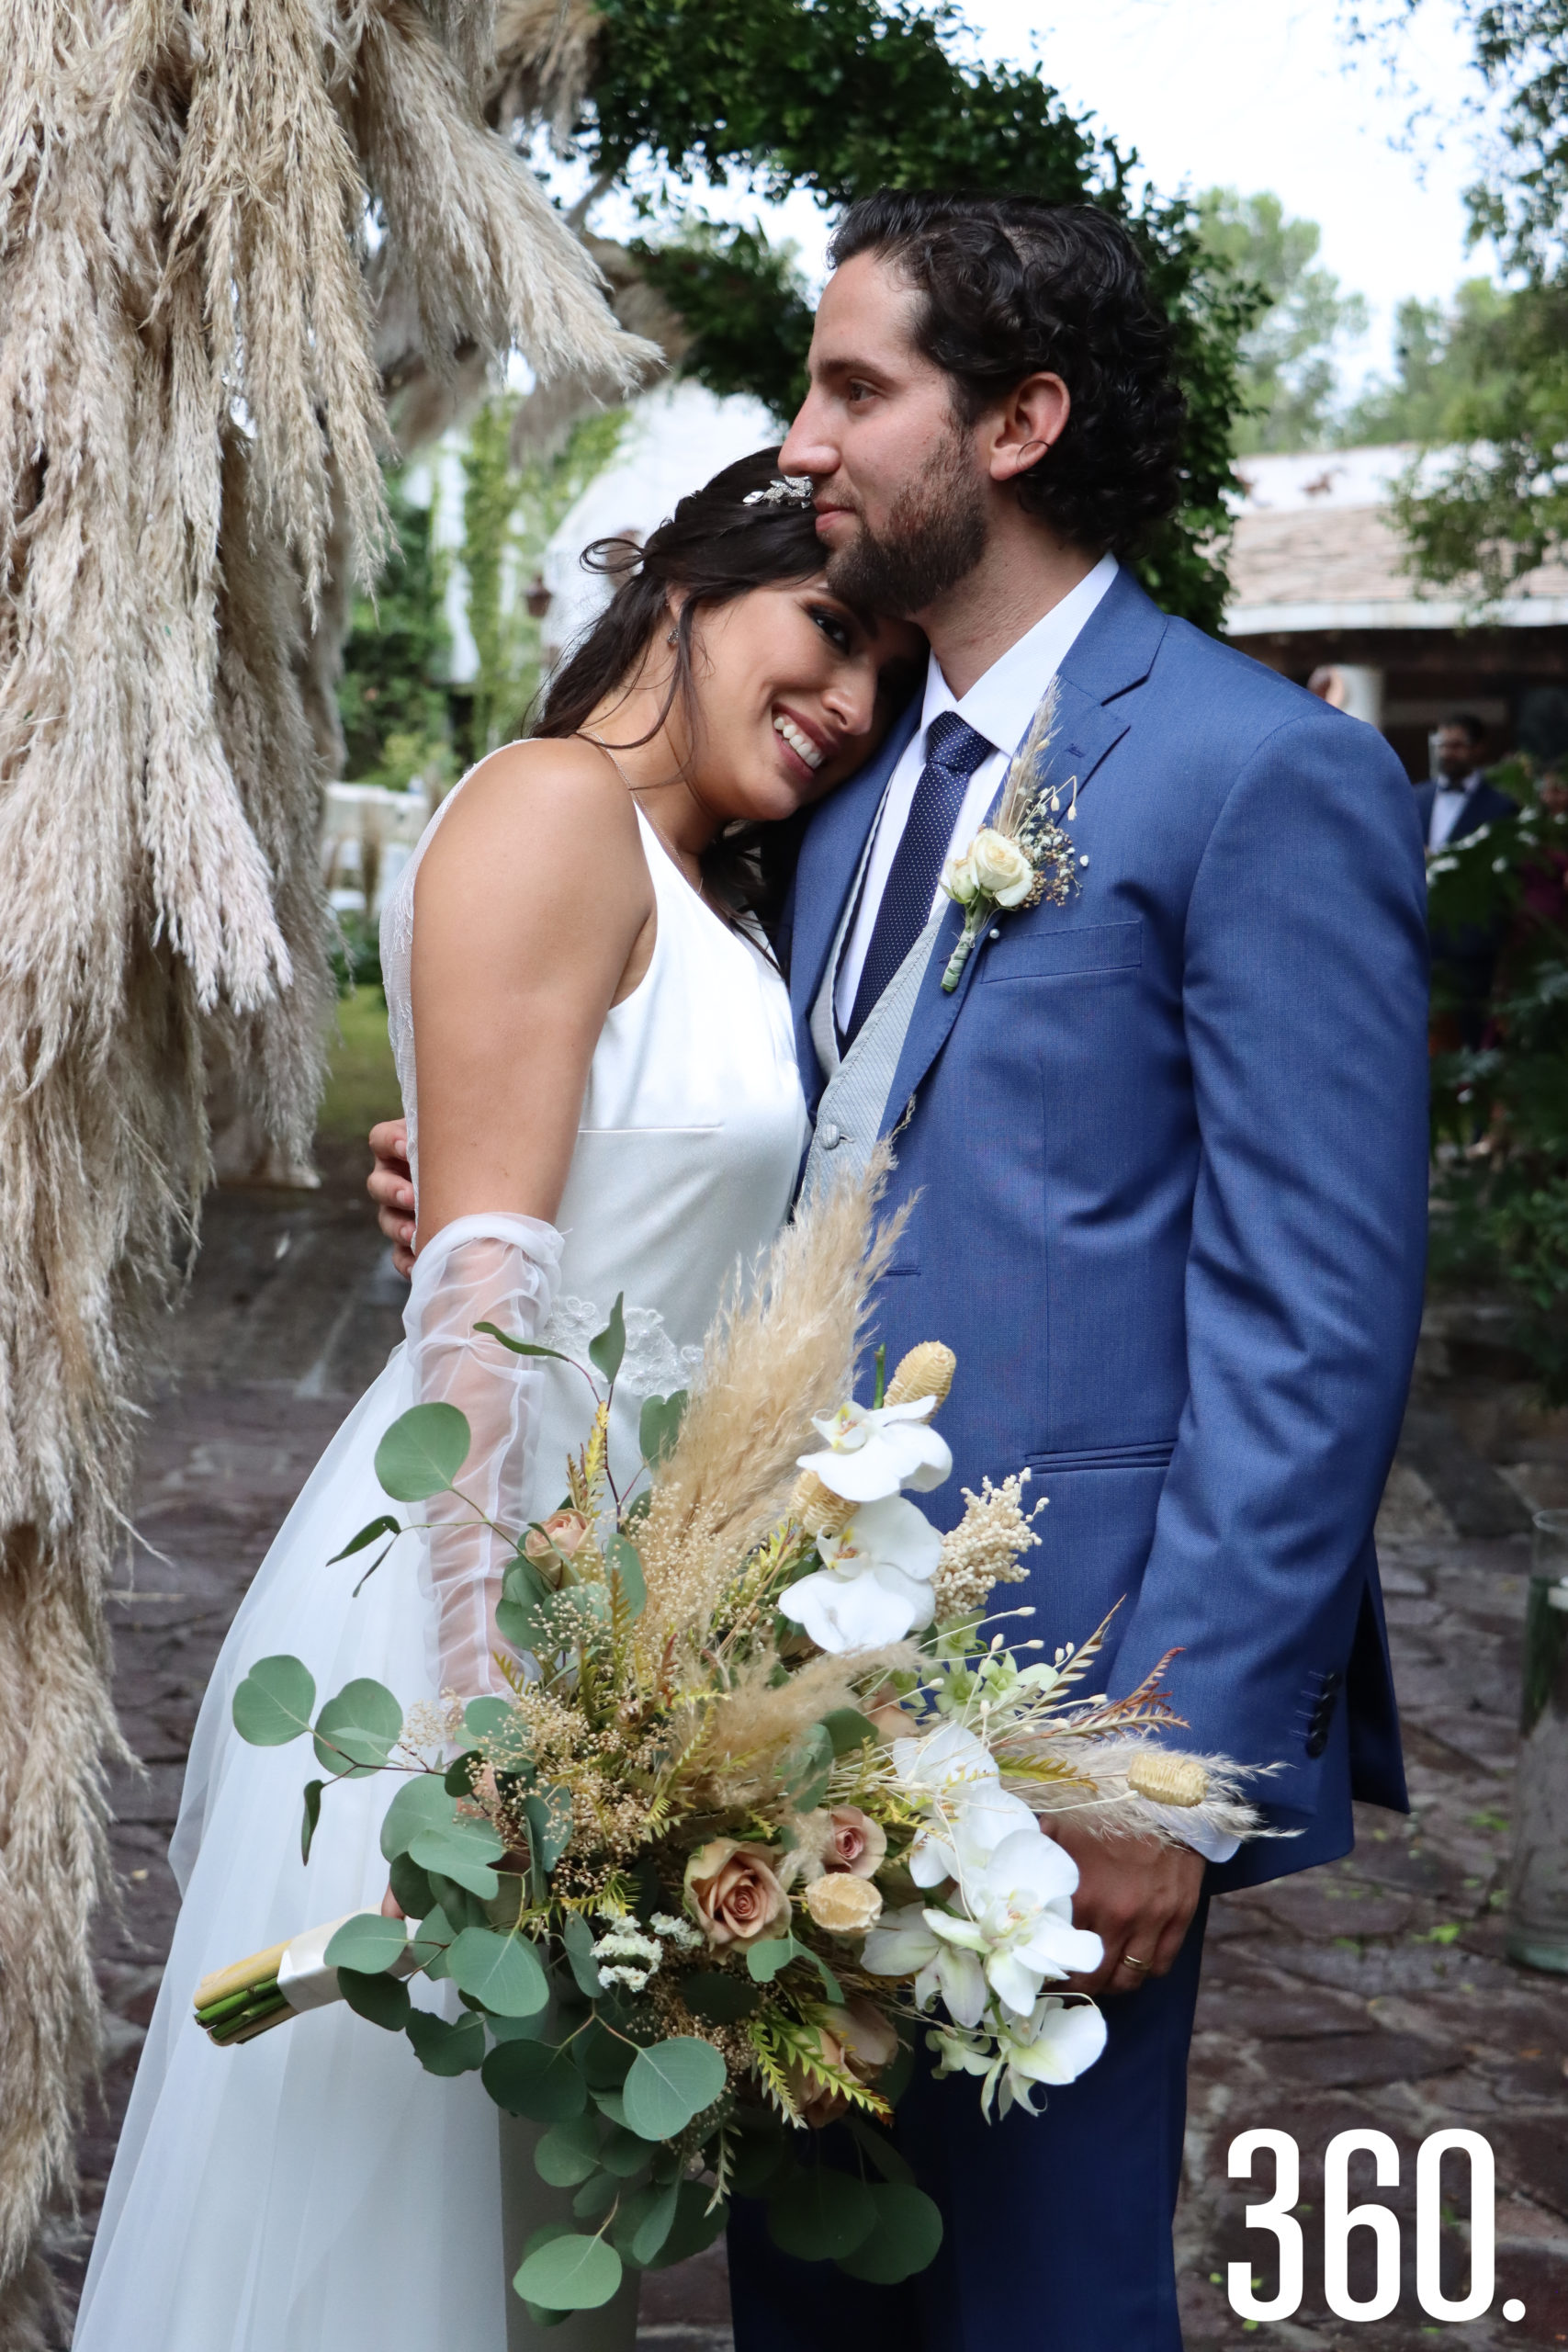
[(1024, 856)]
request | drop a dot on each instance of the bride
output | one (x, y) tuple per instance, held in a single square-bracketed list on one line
[(603, 1100)]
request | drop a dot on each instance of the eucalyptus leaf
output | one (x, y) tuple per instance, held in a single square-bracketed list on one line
[(623, 2153), (669, 2084), (694, 2226), (534, 2029), (462, 1909), (524, 1347), (570, 2274), (604, 2058), (578, 1937), (423, 1451), (644, 2222), (384, 2000), (607, 1350), (358, 1728), (761, 2158), (819, 2215), (367, 1942), (313, 1813), (486, 1718), (613, 2107), (503, 1972), (547, 1812), (905, 2235), (721, 1999), (848, 1729), (889, 2163), (435, 1933), (569, 2151), (273, 1704), (596, 2196), (765, 1958), (462, 1849), (412, 1887), (383, 1526), (622, 1560), (534, 2079), (443, 2048), (421, 1803), (660, 1426)]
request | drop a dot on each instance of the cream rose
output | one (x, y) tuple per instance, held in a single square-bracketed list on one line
[(1000, 867), (553, 1540), (959, 878), (731, 1891), (844, 1905)]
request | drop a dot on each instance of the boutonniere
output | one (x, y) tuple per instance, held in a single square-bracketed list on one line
[(1025, 857)]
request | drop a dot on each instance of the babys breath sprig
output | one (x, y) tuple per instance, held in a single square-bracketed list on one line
[(1024, 857)]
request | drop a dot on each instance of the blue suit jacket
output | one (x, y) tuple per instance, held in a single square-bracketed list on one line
[(1169, 1148)]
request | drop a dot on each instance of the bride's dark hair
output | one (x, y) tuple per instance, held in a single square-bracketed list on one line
[(712, 548)]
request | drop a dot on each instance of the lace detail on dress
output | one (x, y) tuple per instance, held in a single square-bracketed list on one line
[(652, 1366)]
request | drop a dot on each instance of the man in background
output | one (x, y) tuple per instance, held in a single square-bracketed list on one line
[(1455, 805)]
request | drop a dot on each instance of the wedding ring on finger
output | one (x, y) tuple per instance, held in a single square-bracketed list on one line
[(1129, 1960)]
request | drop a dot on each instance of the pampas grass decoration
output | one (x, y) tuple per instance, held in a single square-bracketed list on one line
[(190, 424)]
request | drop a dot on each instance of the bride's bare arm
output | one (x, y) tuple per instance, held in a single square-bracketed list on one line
[(534, 912)]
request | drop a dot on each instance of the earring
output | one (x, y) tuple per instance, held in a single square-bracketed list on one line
[(670, 638)]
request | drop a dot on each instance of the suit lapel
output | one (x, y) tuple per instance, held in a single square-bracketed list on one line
[(830, 860), (1115, 650)]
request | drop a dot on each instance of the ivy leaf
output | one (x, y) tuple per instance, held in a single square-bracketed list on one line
[(273, 1704), (607, 1350), (423, 1451)]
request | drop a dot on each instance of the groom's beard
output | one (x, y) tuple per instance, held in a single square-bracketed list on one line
[(934, 536)]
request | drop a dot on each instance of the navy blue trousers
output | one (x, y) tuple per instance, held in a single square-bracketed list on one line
[(1057, 2225)]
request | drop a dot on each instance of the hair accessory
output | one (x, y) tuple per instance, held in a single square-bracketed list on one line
[(790, 490)]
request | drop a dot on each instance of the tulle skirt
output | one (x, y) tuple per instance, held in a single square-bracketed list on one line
[(313, 2191)]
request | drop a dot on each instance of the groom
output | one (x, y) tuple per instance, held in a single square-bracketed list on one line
[(1167, 1144)]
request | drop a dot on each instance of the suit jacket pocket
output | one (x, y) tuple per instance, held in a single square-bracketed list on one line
[(1043, 950)]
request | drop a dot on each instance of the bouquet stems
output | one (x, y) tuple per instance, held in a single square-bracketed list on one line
[(235, 2001)]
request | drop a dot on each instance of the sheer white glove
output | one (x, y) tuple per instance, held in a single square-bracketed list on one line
[(491, 1268)]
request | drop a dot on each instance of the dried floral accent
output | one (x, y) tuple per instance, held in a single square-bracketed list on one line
[(926, 1370), (985, 1547), (1168, 1779)]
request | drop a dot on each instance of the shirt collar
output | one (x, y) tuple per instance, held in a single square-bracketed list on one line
[(1465, 785), (1004, 698)]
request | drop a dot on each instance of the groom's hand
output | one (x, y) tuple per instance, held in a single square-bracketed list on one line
[(1138, 1896), (391, 1186)]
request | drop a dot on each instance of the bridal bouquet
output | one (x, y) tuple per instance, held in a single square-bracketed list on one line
[(763, 1803)]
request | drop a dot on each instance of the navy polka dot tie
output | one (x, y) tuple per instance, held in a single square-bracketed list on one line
[(953, 752)]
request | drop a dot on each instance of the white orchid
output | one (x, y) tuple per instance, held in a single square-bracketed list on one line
[(869, 1451), (1019, 1896), (875, 1584), (906, 1943), (1057, 2042), (957, 1776)]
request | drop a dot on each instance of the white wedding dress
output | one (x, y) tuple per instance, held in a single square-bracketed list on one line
[(315, 2190)]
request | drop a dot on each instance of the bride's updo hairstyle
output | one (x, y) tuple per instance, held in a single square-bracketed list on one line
[(714, 549)]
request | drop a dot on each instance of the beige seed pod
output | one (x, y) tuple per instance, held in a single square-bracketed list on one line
[(817, 1508), (1169, 1780), (926, 1370)]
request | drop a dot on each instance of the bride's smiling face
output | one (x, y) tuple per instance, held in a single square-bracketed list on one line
[(792, 690)]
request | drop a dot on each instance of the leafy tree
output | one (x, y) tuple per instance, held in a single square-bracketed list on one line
[(1289, 356), (391, 697), (1443, 360), (847, 96), (1500, 1112)]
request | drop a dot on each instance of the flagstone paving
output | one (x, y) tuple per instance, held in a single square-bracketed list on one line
[(1373, 1992)]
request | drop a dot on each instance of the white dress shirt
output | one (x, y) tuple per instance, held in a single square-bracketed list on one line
[(999, 706), (1447, 806)]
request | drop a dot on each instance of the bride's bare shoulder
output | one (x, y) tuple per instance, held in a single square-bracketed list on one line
[(528, 802)]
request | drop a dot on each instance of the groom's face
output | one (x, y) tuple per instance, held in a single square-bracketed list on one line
[(902, 509)]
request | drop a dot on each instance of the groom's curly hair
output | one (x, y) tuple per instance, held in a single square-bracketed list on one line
[(1015, 287)]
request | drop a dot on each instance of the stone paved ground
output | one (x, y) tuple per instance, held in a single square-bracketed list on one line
[(1373, 1992)]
